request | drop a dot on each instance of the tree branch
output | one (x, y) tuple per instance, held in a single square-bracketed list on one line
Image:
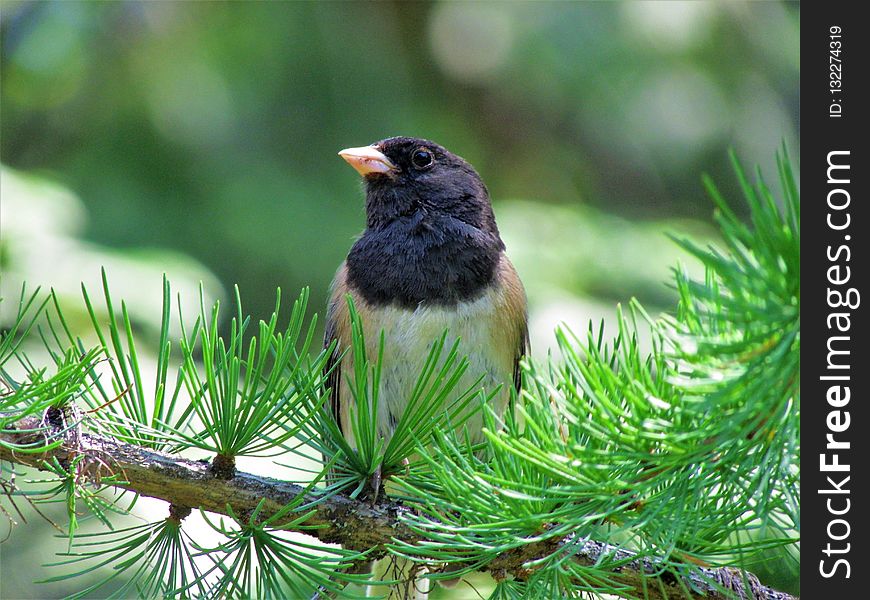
[(354, 524)]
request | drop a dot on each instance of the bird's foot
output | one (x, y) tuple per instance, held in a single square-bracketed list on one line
[(375, 484)]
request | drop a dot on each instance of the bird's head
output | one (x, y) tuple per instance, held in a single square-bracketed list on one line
[(405, 176)]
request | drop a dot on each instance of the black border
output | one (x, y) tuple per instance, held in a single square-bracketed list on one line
[(821, 134)]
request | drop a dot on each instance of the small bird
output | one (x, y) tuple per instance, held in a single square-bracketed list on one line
[(430, 259)]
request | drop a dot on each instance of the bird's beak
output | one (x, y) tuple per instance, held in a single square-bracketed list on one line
[(368, 160)]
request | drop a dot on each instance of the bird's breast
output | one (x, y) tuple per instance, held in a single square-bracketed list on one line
[(409, 335), (444, 263)]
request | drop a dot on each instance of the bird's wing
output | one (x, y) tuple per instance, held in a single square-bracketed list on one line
[(523, 349), (513, 311), (338, 329)]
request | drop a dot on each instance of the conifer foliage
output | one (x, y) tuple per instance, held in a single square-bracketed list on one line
[(670, 461)]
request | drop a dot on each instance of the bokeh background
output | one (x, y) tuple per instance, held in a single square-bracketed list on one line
[(199, 139)]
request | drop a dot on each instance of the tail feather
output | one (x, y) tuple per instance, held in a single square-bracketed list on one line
[(408, 575)]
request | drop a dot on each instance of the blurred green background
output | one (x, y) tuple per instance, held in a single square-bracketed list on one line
[(200, 139)]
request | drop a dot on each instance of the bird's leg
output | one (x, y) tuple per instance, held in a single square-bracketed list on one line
[(377, 479), (375, 483)]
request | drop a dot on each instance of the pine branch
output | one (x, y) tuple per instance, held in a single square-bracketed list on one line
[(356, 525)]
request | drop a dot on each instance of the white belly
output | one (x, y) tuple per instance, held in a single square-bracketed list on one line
[(409, 336)]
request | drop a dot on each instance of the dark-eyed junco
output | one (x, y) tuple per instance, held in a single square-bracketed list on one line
[(429, 259)]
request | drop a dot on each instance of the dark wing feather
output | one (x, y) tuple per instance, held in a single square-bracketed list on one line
[(333, 364), (338, 330), (523, 349)]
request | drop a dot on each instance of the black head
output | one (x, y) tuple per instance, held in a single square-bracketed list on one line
[(404, 176), (431, 235)]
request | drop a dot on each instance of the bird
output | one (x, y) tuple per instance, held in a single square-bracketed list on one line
[(430, 260)]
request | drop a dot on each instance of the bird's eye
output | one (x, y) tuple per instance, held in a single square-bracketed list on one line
[(422, 158)]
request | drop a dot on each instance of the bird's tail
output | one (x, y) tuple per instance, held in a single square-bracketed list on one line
[(408, 575)]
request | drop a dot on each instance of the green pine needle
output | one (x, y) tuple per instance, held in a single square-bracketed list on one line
[(684, 453)]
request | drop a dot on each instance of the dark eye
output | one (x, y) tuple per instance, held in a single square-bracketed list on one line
[(422, 158)]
